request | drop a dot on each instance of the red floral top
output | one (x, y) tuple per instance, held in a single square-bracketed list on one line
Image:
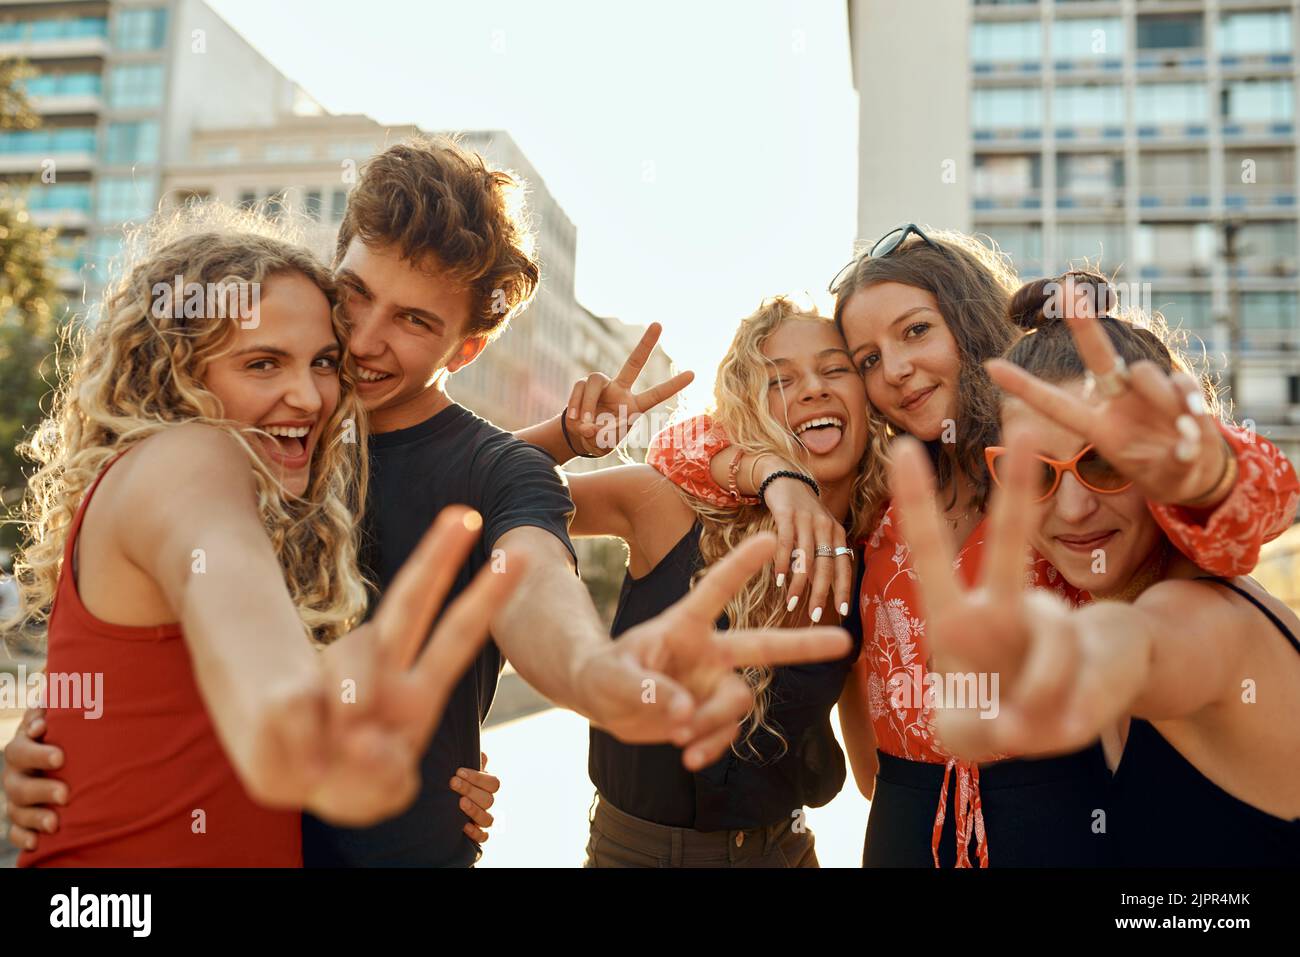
[(895, 658)]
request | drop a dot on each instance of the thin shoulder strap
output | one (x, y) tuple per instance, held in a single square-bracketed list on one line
[(1277, 622)]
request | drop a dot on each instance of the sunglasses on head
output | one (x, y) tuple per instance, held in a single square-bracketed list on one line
[(1088, 467), (884, 246)]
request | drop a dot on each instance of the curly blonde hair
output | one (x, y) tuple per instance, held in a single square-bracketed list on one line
[(133, 373), (740, 407)]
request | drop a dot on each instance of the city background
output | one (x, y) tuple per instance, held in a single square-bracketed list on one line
[(708, 156)]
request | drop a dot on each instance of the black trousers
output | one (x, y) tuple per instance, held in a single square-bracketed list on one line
[(1037, 813), (621, 840)]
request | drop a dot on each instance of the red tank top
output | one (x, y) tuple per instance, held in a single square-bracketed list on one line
[(148, 782)]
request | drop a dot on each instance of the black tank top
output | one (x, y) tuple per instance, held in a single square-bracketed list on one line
[(649, 781), (1166, 813)]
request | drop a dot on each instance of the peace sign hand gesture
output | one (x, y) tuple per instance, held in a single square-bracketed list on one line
[(602, 411), (673, 678), (1025, 645), (1153, 427), (389, 693)]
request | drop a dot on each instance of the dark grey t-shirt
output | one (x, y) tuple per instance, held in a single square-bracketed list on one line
[(453, 458)]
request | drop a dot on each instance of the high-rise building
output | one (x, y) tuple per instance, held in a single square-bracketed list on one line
[(119, 86), (1155, 138)]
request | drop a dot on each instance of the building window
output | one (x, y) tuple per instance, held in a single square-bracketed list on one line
[(123, 199), (1260, 101), (136, 85), (224, 154), (1186, 310), (132, 143), (1268, 310), (1268, 32), (1007, 176), (1012, 40), (1158, 103), (1099, 244), (247, 199), (63, 28), (339, 204), (1087, 38), (1023, 243), (1088, 105), (1015, 106), (1089, 174), (140, 29), (1181, 248), (313, 205), (60, 197), (1181, 171), (1270, 167), (1265, 244), (1182, 31), (69, 139), (63, 84)]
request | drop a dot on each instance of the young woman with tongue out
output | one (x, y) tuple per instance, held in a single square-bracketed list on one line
[(786, 386), (920, 315)]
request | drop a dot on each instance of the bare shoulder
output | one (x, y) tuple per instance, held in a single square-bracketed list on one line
[(1200, 610), (178, 465)]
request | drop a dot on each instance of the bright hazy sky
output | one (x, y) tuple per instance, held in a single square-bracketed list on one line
[(705, 149)]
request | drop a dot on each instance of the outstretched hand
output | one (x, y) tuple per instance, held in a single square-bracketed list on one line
[(601, 411), (673, 678), (391, 692), (1155, 430), (1024, 639)]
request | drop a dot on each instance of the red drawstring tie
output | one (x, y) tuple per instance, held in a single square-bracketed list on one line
[(970, 814)]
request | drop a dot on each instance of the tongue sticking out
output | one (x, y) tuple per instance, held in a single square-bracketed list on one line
[(291, 447), (822, 440)]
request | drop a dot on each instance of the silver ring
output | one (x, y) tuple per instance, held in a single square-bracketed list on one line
[(825, 551), (1110, 384), (843, 551)]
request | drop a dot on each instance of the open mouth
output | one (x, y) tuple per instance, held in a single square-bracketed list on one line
[(821, 435), (287, 443)]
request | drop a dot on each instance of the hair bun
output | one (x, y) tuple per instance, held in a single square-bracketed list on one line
[(1043, 301)]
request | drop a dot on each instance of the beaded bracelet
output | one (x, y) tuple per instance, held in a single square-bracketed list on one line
[(788, 473)]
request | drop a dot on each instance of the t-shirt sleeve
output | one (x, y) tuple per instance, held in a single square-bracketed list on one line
[(520, 486)]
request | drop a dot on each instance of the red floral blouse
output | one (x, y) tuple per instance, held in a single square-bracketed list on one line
[(895, 658)]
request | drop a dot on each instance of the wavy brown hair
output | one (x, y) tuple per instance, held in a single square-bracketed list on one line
[(740, 407), (972, 283), (444, 208), (133, 373)]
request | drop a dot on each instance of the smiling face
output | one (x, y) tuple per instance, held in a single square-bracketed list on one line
[(813, 390), (282, 377), (1097, 541), (908, 358), (407, 326)]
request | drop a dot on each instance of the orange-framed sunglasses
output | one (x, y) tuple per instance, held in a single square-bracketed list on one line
[(1091, 470)]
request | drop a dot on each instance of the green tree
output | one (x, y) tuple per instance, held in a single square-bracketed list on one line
[(29, 303)]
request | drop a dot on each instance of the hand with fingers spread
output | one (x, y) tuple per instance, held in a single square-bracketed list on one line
[(601, 410), (1151, 426), (391, 692), (1057, 686), (477, 790), (674, 678)]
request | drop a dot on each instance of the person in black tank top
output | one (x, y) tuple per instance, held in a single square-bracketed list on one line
[(1206, 776), (786, 384)]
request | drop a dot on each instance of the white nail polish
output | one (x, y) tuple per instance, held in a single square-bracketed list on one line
[(1195, 403), (794, 600), (844, 608), (780, 579), (816, 615)]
